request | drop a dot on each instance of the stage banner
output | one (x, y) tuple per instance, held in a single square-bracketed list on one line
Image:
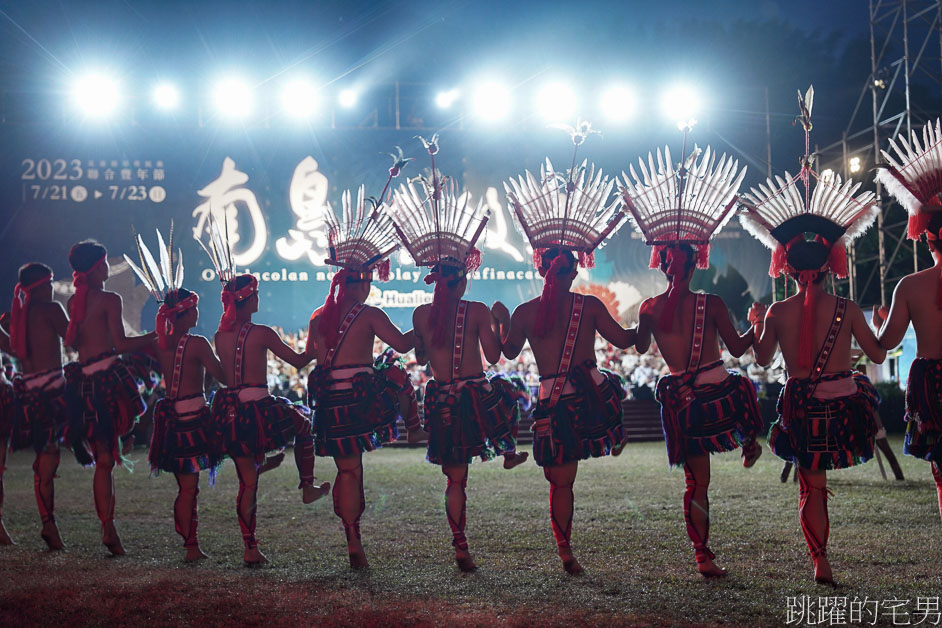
[(271, 186)]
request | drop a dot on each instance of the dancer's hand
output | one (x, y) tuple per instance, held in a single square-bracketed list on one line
[(500, 313), (879, 315), (757, 313)]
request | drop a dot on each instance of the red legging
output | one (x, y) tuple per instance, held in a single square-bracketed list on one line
[(44, 472), (937, 474), (103, 483), (184, 507), (561, 479), (246, 504), (455, 503), (349, 502), (813, 510), (697, 505)]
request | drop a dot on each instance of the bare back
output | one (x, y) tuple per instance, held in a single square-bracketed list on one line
[(917, 293), (45, 327), (786, 317), (357, 346), (675, 344), (254, 355), (548, 349), (196, 354), (94, 334), (477, 328)]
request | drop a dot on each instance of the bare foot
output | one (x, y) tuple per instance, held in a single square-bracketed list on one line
[(4, 536), (708, 569), (127, 444), (194, 554), (272, 462), (822, 571), (465, 562), (750, 454), (570, 564), (620, 447), (417, 436), (50, 535), (357, 557), (254, 557), (515, 459), (311, 494), (111, 540)]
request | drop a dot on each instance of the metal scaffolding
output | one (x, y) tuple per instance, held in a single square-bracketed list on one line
[(905, 49)]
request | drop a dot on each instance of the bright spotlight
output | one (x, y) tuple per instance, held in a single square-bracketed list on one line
[(556, 103), (855, 164), (492, 102), (618, 103), (166, 96), (96, 95), (233, 98), (681, 105), (446, 99), (348, 98), (299, 99)]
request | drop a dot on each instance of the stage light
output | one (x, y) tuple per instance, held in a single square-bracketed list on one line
[(855, 164), (556, 102), (299, 99), (233, 98), (96, 95), (492, 102), (166, 96), (681, 104), (446, 99), (618, 103), (348, 98)]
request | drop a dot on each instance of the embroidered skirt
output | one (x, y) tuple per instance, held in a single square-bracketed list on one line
[(924, 411), (248, 427), (183, 438)]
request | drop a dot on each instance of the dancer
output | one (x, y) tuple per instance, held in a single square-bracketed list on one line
[(7, 416), (183, 438), (250, 422), (912, 176), (579, 414), (356, 401), (108, 394), (37, 325), (826, 410), (467, 413), (705, 409)]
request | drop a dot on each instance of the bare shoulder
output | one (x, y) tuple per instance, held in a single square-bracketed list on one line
[(477, 308), (199, 340), (527, 308), (853, 310)]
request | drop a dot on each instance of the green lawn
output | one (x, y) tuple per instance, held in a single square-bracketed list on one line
[(886, 542)]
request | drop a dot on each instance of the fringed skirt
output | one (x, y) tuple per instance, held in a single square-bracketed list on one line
[(43, 410), (105, 403), (825, 434), (145, 369), (583, 424), (709, 418), (250, 422), (183, 438), (474, 417), (924, 411)]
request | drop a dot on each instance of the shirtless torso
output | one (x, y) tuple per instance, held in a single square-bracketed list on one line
[(479, 336), (913, 302)]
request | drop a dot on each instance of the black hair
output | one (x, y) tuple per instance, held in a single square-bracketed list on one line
[(33, 272), (550, 254), (86, 254), (808, 255), (690, 262), (452, 273), (935, 227), (175, 296)]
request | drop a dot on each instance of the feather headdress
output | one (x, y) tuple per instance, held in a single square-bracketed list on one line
[(689, 204), (566, 210), (220, 254), (164, 279), (435, 223), (913, 174)]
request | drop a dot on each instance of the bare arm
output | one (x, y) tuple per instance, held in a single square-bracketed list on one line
[(513, 336), (766, 339), (489, 342), (645, 324), (865, 336), (122, 342), (421, 357), (609, 328), (276, 345), (210, 360), (60, 320), (384, 329), (895, 326), (736, 344)]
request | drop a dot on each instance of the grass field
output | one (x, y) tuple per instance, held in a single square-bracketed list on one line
[(886, 542)]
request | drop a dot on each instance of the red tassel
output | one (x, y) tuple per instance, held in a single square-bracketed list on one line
[(587, 260), (329, 324), (703, 256), (538, 257), (474, 259), (778, 262), (655, 257), (918, 225), (440, 300), (383, 270), (837, 260)]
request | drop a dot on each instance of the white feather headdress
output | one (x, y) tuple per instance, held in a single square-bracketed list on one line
[(218, 249), (690, 204), (913, 174), (162, 277), (363, 239)]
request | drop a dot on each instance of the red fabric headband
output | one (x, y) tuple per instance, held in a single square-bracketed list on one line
[(163, 324), (21, 298), (231, 297)]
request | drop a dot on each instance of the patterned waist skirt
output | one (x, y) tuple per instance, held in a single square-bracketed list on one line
[(183, 438), (249, 422), (471, 418), (924, 411), (43, 410)]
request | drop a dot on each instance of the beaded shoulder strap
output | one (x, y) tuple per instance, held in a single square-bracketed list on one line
[(840, 310), (178, 366), (562, 373), (696, 339), (342, 332), (458, 353), (240, 351)]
